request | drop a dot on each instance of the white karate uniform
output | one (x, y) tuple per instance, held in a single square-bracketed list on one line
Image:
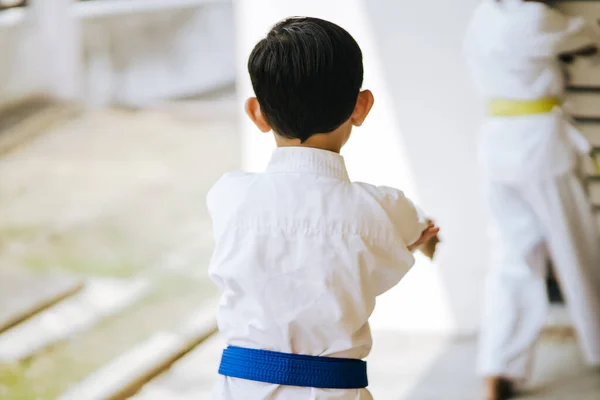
[(301, 254), (537, 203)]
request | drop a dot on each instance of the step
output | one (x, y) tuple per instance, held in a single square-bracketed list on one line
[(127, 374), (583, 104), (100, 298), (591, 132), (24, 294), (190, 378), (23, 121), (584, 72)]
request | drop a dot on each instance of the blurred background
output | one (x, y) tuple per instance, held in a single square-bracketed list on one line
[(117, 116)]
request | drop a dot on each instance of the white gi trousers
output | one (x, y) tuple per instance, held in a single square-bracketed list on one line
[(533, 222)]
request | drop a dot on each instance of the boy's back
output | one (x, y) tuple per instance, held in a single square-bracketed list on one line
[(301, 251), (301, 255)]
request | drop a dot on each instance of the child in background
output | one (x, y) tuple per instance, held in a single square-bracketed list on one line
[(537, 203), (301, 250)]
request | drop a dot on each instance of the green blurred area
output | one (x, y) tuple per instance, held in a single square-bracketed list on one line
[(113, 193)]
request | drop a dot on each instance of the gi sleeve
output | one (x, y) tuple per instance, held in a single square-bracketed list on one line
[(396, 261), (556, 34), (407, 218)]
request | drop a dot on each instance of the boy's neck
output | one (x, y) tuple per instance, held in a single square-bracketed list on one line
[(310, 144), (332, 141)]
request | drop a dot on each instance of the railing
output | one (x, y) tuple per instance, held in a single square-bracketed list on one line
[(94, 35), (93, 9), (108, 8)]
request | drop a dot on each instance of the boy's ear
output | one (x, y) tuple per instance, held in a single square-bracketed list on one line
[(253, 111), (364, 103)]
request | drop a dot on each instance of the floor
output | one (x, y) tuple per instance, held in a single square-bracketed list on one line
[(408, 367), (113, 193)]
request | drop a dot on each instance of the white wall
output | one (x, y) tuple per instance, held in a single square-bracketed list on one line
[(40, 50), (139, 58), (130, 58), (20, 73), (421, 137)]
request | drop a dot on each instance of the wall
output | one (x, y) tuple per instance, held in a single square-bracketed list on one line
[(421, 137), (139, 58), (130, 58), (20, 73)]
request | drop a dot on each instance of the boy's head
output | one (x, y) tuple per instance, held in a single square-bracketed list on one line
[(307, 74)]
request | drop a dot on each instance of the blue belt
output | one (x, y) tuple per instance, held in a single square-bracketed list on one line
[(293, 369)]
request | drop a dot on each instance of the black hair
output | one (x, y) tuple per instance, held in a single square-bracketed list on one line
[(306, 74)]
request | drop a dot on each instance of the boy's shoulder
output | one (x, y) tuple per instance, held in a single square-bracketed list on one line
[(393, 200), (403, 213), (240, 179), (382, 192), (233, 178), (228, 187), (233, 185)]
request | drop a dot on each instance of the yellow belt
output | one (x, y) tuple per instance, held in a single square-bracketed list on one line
[(516, 108)]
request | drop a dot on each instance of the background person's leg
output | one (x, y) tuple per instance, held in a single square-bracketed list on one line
[(515, 298), (574, 244)]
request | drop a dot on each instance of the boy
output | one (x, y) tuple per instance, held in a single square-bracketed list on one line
[(301, 251), (538, 206)]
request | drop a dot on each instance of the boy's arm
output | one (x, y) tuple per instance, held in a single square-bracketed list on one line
[(393, 260), (417, 231), (414, 232)]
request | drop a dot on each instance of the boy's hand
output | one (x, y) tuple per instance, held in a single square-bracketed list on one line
[(428, 234)]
